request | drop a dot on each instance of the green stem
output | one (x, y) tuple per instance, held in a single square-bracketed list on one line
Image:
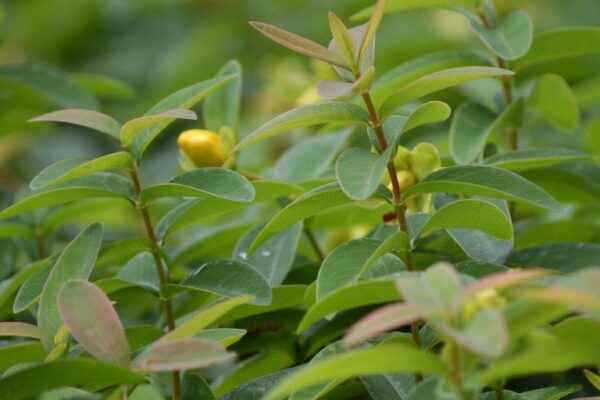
[(156, 254), (41, 247), (314, 244), (397, 203)]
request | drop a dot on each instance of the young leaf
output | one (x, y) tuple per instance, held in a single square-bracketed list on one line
[(230, 278), (552, 99), (299, 44), (559, 43), (73, 168), (181, 355), (205, 318), (521, 160), (36, 379), (10, 286), (184, 98), (471, 214), (359, 171), (75, 262), (511, 39), (225, 336), (273, 258), (88, 118), (382, 359), (471, 126), (374, 22), (131, 128), (310, 114), (30, 291), (360, 294), (435, 82), (220, 183), (342, 38), (103, 86), (222, 107), (93, 321), (307, 205), (484, 181)]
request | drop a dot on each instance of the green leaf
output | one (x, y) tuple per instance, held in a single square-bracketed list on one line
[(511, 39), (195, 387), (374, 21), (105, 185), (178, 355), (203, 182), (226, 336), (20, 329), (299, 44), (230, 278), (533, 358), (205, 318), (274, 257), (350, 260), (13, 355), (427, 113), (568, 185), (411, 70), (257, 388), (75, 262), (521, 160), (104, 86), (552, 99), (563, 257), (37, 379), (131, 128), (120, 251), (10, 286), (484, 181), (307, 205), (311, 157), (471, 214), (145, 392), (382, 359), (87, 118), (222, 107), (73, 168), (307, 115), (578, 329), (471, 127), (52, 83), (360, 294), (194, 211), (342, 38), (184, 98), (29, 293), (559, 43), (592, 378), (93, 321), (284, 297), (140, 336), (401, 5), (359, 171), (16, 230), (435, 82)]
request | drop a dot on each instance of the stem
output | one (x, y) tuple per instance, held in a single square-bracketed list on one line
[(398, 206), (156, 254), (39, 238), (499, 392), (313, 243)]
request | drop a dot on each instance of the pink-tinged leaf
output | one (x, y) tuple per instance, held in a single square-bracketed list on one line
[(20, 329), (573, 297), (374, 22), (503, 279), (299, 44), (384, 319), (93, 321), (181, 355), (342, 38), (328, 89), (88, 118), (131, 128)]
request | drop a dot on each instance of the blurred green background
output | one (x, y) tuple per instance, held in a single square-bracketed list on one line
[(159, 46)]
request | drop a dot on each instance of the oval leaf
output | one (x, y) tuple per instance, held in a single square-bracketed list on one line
[(93, 321), (521, 160), (87, 118), (135, 126), (222, 106), (359, 171), (511, 39)]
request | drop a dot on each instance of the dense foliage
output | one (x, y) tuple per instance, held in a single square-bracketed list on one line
[(432, 233)]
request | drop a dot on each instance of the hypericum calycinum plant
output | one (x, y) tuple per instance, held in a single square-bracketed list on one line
[(275, 283)]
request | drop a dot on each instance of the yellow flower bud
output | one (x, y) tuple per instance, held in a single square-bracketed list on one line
[(202, 147), (401, 160), (485, 298), (424, 159), (406, 179)]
